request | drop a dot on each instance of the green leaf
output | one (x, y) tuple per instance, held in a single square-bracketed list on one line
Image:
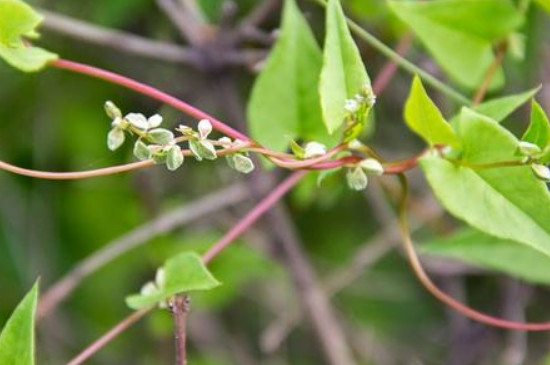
[(480, 249), (183, 273), (425, 119), (506, 202), (18, 20), (498, 109), (343, 74), (17, 337), (538, 131), (284, 101), (460, 33)]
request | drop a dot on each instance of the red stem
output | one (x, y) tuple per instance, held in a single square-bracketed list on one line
[(270, 200), (149, 91)]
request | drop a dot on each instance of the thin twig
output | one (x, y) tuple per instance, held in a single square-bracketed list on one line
[(190, 27), (390, 68), (108, 337), (490, 75), (263, 10), (117, 40), (137, 237)]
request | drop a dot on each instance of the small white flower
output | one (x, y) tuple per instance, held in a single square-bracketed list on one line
[(541, 172), (112, 110), (205, 128), (352, 106), (239, 143), (225, 142), (314, 149), (372, 166), (137, 120), (115, 138), (529, 149), (154, 121)]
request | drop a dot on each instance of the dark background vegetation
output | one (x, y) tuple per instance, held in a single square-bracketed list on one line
[(55, 121)]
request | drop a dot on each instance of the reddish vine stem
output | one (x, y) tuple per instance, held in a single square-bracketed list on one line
[(438, 293), (109, 336), (180, 311), (148, 91)]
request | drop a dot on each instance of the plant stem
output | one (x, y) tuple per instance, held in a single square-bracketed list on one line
[(180, 311), (149, 91), (438, 293), (263, 206), (108, 337), (490, 75), (401, 61)]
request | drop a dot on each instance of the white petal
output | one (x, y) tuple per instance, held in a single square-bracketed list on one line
[(314, 149), (155, 121), (205, 128), (372, 166), (137, 120)]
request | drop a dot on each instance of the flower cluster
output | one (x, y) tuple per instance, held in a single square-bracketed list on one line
[(357, 176), (162, 146)]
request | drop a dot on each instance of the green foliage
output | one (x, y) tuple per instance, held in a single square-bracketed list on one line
[(460, 34), (506, 202), (284, 101), (498, 109), (19, 21), (424, 118), (544, 4), (17, 337), (538, 131), (490, 252), (343, 75), (181, 274)]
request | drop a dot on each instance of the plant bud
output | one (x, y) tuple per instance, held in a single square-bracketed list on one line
[(115, 138), (314, 149), (528, 149), (243, 164), (148, 289), (160, 278), (141, 152), (112, 110), (357, 179), (541, 172), (352, 106), (225, 142), (160, 136), (372, 166), (174, 159), (205, 128)]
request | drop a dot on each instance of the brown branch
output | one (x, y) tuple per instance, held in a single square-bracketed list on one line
[(490, 75), (137, 237), (191, 28), (390, 68), (180, 311)]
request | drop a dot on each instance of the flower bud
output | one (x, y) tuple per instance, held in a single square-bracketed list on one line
[(174, 158), (241, 163), (141, 152), (314, 149), (205, 128), (355, 144), (528, 149), (357, 179), (115, 138), (541, 172), (372, 166), (160, 136), (185, 130), (160, 278), (112, 110), (225, 142)]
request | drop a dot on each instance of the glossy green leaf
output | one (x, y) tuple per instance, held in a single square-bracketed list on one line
[(183, 273), (460, 33), (425, 119), (343, 74), (506, 202), (538, 131), (19, 21), (284, 101), (500, 108), (480, 249), (17, 337)]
